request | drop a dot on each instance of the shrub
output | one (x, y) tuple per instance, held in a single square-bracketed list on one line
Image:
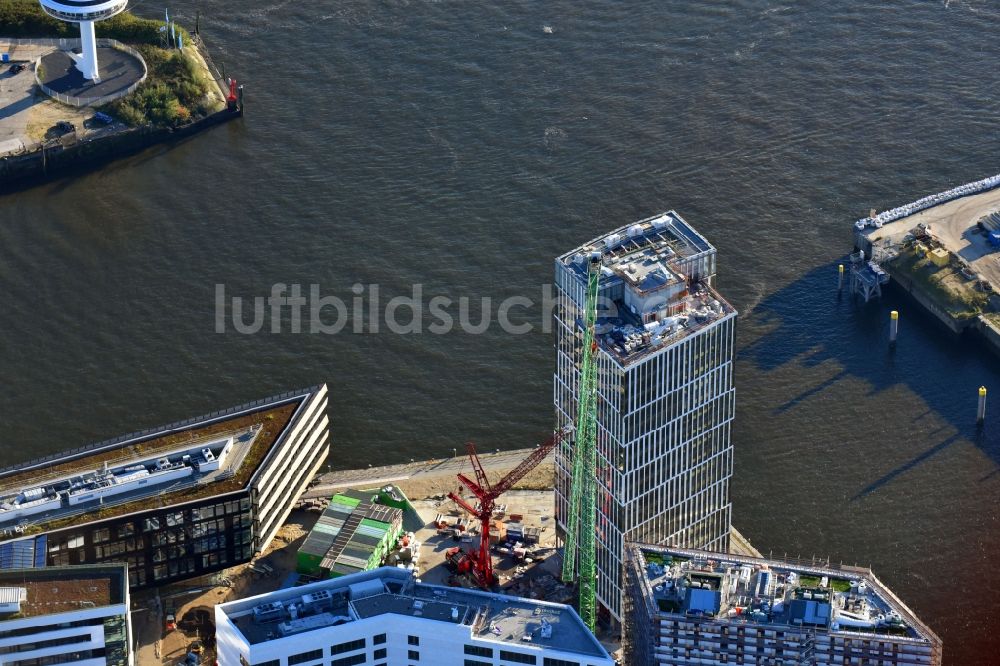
[(174, 87)]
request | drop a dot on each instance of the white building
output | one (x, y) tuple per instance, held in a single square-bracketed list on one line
[(385, 618), (84, 12), (55, 615), (697, 607), (666, 397)]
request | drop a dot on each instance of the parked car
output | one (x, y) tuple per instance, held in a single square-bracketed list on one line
[(103, 118), (65, 126), (16, 68), (170, 623)]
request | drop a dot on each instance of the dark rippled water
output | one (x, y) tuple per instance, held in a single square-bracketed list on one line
[(460, 146)]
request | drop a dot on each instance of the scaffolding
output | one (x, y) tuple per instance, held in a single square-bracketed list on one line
[(867, 277), (582, 525)]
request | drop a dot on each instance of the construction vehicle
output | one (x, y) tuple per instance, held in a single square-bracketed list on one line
[(579, 560), (481, 562)]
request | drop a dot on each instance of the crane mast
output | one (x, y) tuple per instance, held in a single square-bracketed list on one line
[(486, 493), (580, 548)]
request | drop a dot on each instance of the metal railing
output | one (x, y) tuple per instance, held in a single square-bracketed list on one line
[(62, 42), (67, 44), (213, 71)]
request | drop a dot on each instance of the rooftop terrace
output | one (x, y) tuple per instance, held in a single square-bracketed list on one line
[(656, 285), (60, 484), (61, 589), (746, 590), (486, 616)]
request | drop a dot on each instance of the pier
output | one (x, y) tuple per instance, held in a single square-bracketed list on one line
[(941, 251)]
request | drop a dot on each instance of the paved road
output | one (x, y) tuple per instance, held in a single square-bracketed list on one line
[(17, 96), (374, 476)]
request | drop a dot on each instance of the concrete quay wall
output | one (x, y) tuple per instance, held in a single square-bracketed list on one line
[(22, 171)]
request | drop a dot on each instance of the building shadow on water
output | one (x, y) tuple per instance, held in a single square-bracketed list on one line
[(810, 323)]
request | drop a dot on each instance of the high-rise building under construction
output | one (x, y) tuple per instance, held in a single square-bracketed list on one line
[(664, 355)]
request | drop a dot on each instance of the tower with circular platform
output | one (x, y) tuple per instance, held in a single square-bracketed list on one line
[(84, 12)]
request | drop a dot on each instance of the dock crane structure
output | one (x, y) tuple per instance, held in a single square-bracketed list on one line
[(579, 557), (481, 562)]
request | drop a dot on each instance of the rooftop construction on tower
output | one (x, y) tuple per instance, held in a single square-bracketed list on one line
[(655, 285)]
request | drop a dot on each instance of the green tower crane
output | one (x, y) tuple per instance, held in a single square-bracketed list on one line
[(582, 524)]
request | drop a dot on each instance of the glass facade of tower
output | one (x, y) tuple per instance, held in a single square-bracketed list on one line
[(666, 401)]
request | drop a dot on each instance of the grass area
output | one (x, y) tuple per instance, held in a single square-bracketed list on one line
[(840, 585), (174, 92), (25, 18), (656, 558), (945, 286), (273, 422)]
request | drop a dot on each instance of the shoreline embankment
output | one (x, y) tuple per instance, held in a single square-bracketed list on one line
[(55, 160)]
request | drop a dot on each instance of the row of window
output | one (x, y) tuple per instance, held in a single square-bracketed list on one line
[(172, 519), (40, 645)]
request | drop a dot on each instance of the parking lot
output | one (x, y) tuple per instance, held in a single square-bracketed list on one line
[(28, 117), (17, 96)]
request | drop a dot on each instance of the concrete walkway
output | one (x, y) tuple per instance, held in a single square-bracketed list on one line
[(377, 476)]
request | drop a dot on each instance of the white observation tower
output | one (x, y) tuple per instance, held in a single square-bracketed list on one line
[(84, 12)]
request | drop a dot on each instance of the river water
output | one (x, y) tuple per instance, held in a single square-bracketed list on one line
[(461, 146)]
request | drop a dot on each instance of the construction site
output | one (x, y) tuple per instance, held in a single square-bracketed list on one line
[(523, 549), (944, 250), (437, 535)]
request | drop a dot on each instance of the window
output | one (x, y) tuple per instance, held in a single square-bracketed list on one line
[(549, 661), (473, 662), (413, 640), (349, 661), (175, 519), (379, 640), (517, 657), (477, 651), (102, 535), (303, 657), (379, 654), (349, 646), (273, 662), (413, 655)]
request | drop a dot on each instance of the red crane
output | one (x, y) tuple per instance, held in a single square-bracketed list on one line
[(482, 562)]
